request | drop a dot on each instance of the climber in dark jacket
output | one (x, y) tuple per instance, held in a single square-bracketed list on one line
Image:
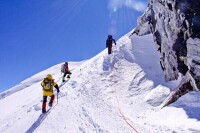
[(109, 42)]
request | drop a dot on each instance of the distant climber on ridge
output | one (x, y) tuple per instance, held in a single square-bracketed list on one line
[(65, 70), (48, 84), (109, 42)]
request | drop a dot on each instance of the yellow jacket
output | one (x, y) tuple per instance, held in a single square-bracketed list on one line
[(48, 86)]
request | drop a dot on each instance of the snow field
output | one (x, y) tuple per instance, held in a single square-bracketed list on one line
[(105, 94)]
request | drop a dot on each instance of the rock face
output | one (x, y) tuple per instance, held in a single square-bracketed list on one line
[(175, 25)]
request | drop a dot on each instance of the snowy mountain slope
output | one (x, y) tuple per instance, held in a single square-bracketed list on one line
[(117, 93), (36, 78)]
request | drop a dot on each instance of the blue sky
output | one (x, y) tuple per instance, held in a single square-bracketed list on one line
[(37, 34)]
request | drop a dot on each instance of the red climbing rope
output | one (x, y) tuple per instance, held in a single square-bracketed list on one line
[(129, 124), (118, 105)]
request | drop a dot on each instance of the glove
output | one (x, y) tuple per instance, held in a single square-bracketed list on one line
[(58, 90)]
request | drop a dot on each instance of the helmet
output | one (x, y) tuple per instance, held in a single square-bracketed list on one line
[(66, 62), (49, 76), (109, 36)]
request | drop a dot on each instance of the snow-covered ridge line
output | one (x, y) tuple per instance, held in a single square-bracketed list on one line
[(35, 79), (26, 83), (87, 102)]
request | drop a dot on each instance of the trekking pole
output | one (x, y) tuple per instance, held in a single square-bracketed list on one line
[(57, 97), (114, 48)]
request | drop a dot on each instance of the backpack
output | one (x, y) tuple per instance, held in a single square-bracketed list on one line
[(63, 68), (48, 85)]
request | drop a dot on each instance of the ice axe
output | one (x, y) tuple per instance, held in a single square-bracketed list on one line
[(57, 97)]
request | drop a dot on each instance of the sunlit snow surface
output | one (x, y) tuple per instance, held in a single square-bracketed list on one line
[(102, 93)]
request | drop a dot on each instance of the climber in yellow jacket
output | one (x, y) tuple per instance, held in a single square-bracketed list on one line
[(48, 84)]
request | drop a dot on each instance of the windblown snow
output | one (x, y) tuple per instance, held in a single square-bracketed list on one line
[(117, 93)]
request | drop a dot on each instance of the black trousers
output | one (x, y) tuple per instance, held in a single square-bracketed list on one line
[(109, 50), (66, 73), (45, 100)]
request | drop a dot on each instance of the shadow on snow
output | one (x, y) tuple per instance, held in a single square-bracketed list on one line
[(39, 121)]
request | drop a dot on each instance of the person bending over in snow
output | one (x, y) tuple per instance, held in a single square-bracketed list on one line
[(48, 84), (109, 42), (65, 70)]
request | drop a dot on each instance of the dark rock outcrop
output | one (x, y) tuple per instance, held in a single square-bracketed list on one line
[(175, 25)]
